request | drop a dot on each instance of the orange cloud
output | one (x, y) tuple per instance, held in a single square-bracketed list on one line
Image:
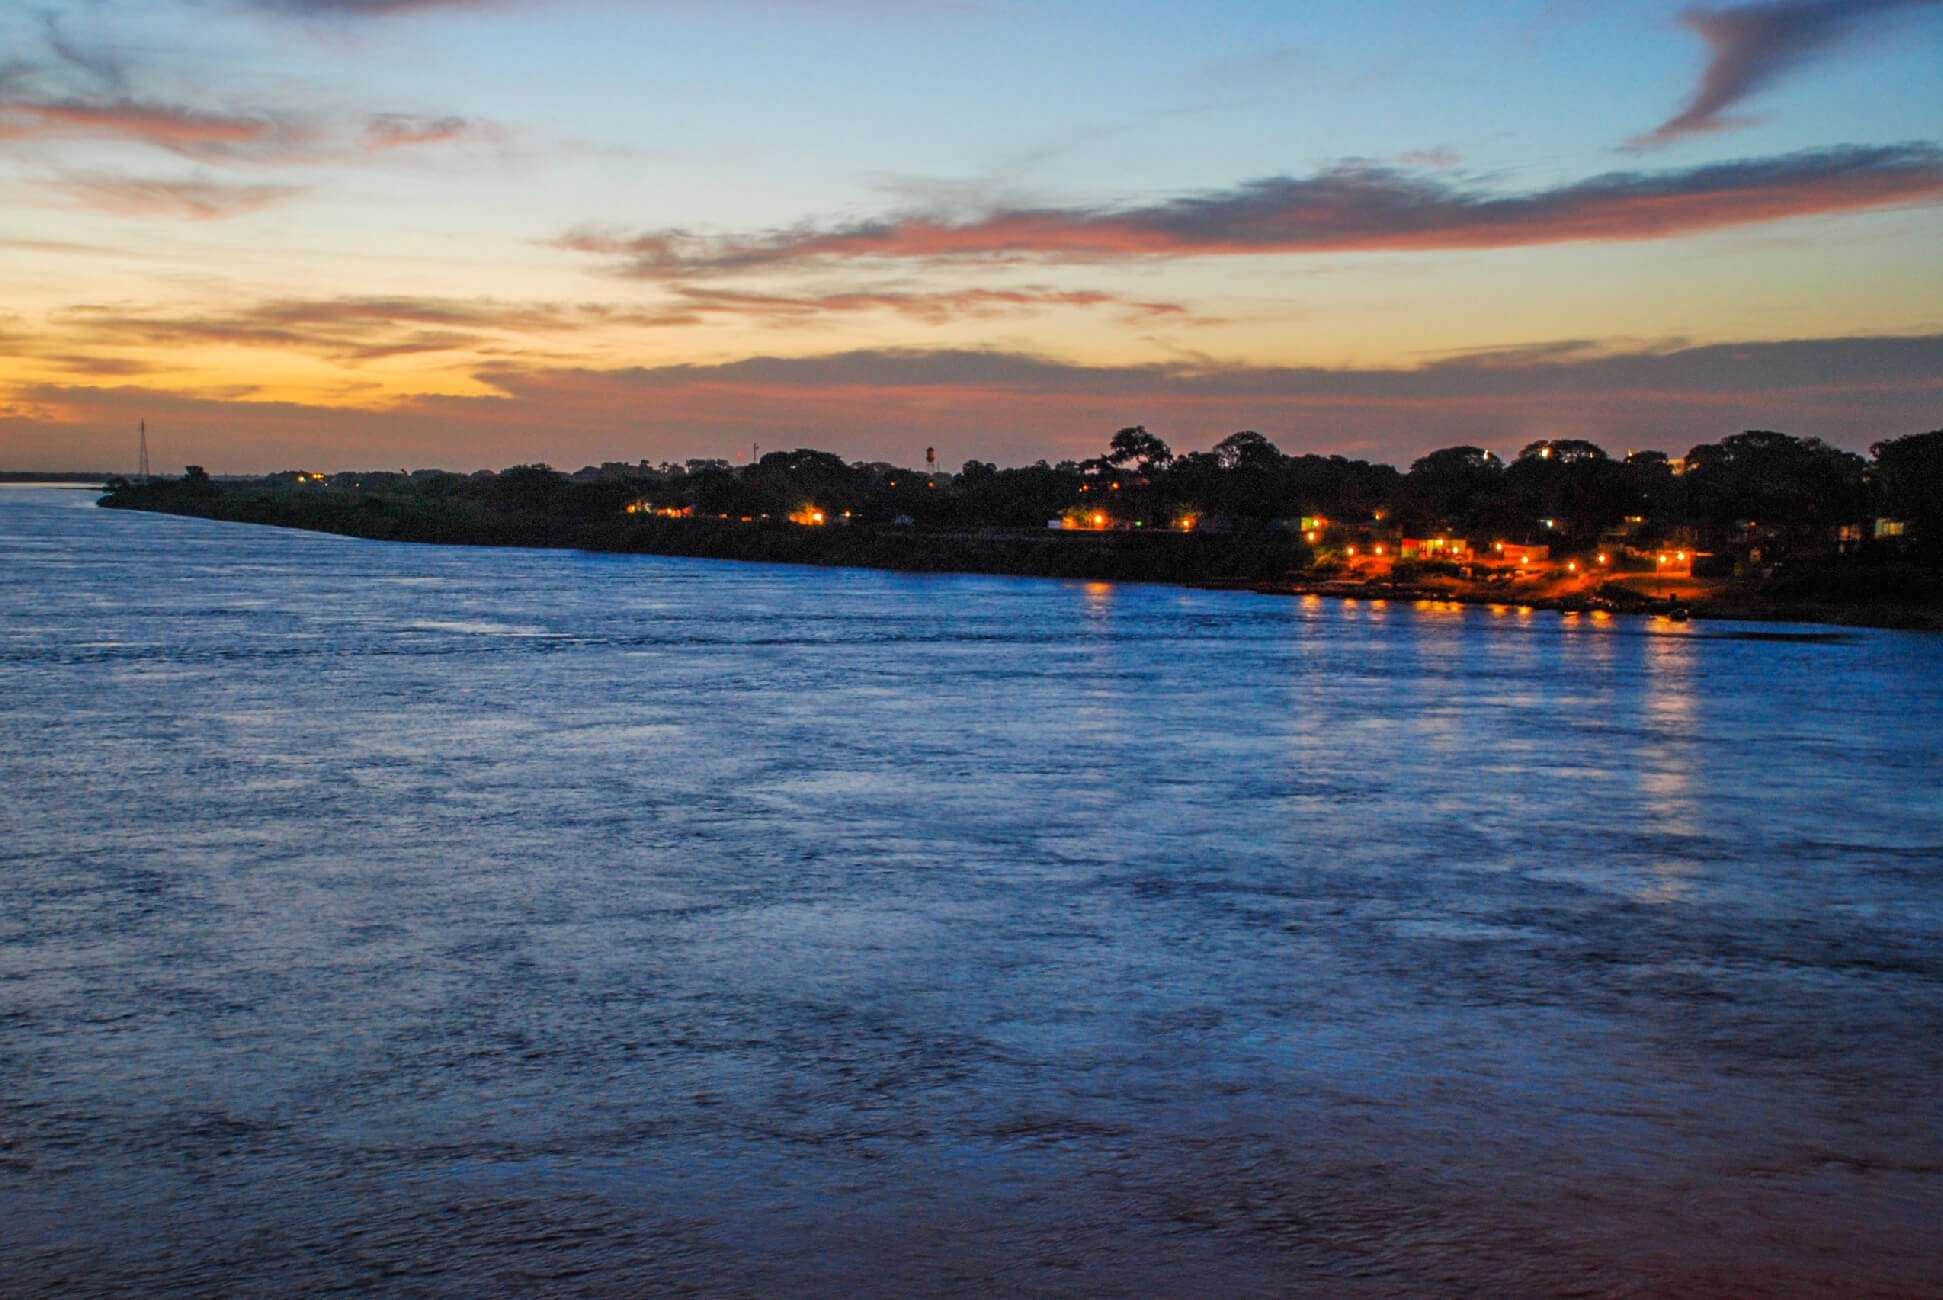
[(353, 330), (188, 200), (257, 137), (167, 125), (347, 330)]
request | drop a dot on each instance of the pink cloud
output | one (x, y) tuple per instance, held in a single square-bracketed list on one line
[(1347, 209), (166, 125)]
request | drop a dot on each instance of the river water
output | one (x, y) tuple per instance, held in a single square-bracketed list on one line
[(447, 921)]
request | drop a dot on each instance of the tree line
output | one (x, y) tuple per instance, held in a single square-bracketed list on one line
[(1798, 492)]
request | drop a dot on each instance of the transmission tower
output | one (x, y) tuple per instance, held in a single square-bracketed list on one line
[(144, 469)]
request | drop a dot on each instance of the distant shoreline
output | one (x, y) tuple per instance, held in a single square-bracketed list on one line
[(1730, 606), (1205, 562)]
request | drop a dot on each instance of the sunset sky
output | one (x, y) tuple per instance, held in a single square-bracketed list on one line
[(402, 233)]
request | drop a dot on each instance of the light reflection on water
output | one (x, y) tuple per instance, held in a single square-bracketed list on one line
[(458, 921)]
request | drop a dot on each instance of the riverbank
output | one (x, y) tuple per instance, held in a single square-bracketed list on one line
[(1906, 598), (1123, 556), (1723, 602)]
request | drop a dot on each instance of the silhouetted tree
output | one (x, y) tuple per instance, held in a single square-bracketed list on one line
[(529, 487), (1563, 450), (1909, 483), (1461, 487), (1247, 450), (1800, 485), (1139, 448), (1574, 484)]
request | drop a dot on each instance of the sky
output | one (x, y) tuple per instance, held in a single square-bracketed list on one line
[(331, 234)]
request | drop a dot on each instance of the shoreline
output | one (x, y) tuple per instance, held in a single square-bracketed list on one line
[(1749, 610), (1054, 557)]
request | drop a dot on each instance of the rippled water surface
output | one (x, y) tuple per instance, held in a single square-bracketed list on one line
[(457, 921)]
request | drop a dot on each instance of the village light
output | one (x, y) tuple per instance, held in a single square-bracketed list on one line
[(1602, 557), (1099, 520)]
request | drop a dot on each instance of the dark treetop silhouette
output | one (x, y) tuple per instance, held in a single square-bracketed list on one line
[(1777, 525)]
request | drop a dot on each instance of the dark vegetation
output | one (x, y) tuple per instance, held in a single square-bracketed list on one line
[(1791, 518)]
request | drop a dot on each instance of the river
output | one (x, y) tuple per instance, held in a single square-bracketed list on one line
[(449, 921)]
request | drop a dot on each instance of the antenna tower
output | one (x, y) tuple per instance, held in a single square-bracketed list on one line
[(144, 468)]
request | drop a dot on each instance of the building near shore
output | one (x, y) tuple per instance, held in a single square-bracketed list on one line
[(1674, 563), (1521, 555), (1456, 550)]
